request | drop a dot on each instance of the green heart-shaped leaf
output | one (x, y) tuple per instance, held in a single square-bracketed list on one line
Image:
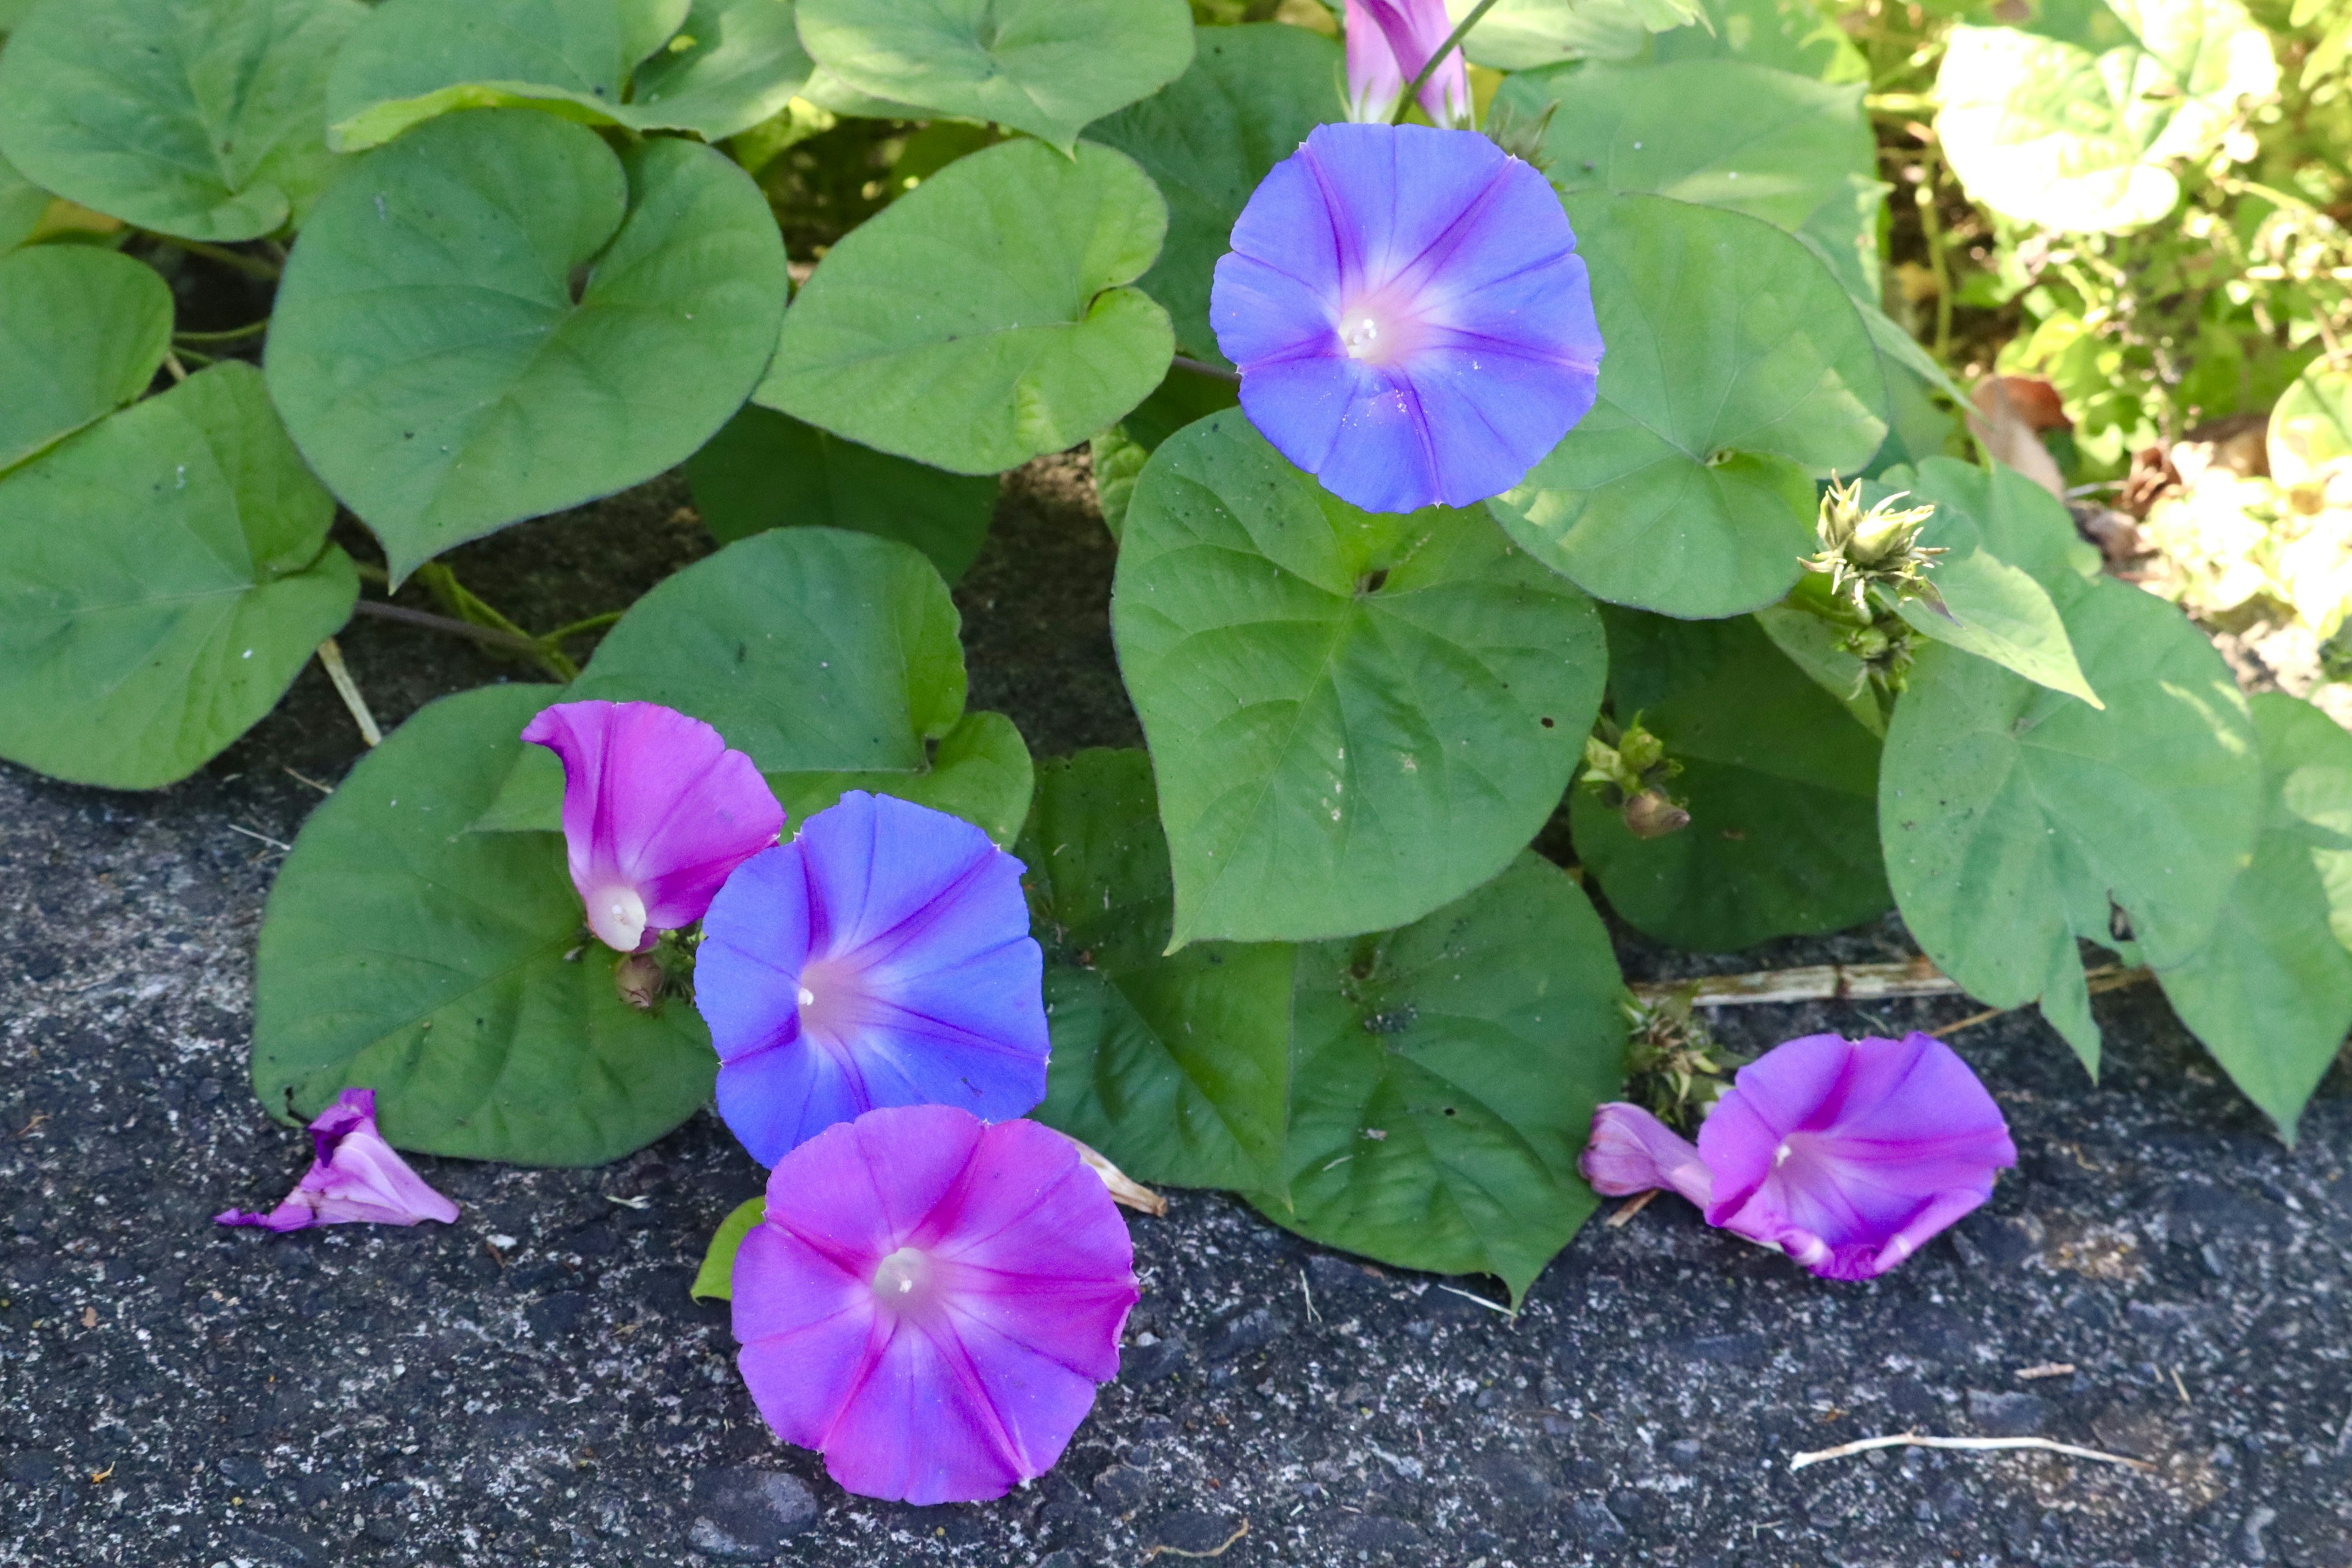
[(2000, 509), (163, 576), (1046, 67), (1209, 137), (1444, 1078), (2017, 819), (450, 971), (716, 70), (1354, 717), (83, 331), (496, 317), (980, 319), (1781, 786), (715, 1279), (1177, 1065), (1737, 373), (199, 118), (766, 470), (1722, 133), (2072, 126), (2270, 996)]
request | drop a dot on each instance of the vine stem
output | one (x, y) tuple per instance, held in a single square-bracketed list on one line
[(1202, 367), (1406, 100), (448, 625), (251, 266)]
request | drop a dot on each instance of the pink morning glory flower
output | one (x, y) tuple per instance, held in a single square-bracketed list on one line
[(1847, 1155), (882, 957), (1409, 315), (1388, 42), (355, 1177), (657, 812), (931, 1302)]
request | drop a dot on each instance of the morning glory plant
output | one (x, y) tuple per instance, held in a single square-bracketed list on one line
[(1411, 320), (931, 1300), (881, 958)]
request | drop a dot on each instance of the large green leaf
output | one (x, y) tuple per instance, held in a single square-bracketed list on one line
[(1046, 67), (2074, 127), (1444, 1078), (1723, 133), (82, 332), (767, 469), (1737, 372), (980, 771), (1176, 1067), (450, 971), (1999, 510), (1525, 35), (2312, 425), (728, 64), (163, 576), (1781, 782), (1787, 35), (1354, 717), (497, 317), (1209, 137), (1119, 453), (980, 319), (2270, 996), (199, 118), (2017, 819)]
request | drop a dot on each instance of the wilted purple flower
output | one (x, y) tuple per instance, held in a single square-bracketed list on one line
[(1409, 314), (657, 812), (931, 1301), (1846, 1154), (1388, 42), (882, 957), (1633, 1152), (354, 1177)]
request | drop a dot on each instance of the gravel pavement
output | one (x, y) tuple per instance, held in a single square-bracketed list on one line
[(533, 1385)]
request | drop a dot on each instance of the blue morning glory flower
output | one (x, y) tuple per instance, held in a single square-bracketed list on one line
[(1409, 315), (881, 958)]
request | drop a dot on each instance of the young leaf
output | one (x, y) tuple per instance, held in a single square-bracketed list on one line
[(1046, 67), (1354, 717), (2074, 127), (451, 971), (2270, 996), (1723, 134), (496, 317), (163, 576), (715, 1281), (1177, 1067), (731, 64), (2017, 819), (1209, 137), (198, 118), (1991, 609), (1737, 373), (981, 319), (2000, 509), (1444, 1078), (82, 331), (1780, 784), (766, 469)]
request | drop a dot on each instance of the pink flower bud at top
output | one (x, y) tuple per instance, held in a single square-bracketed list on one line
[(1388, 42)]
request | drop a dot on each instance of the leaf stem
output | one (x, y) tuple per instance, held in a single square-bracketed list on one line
[(251, 266), (581, 628), (1428, 66), (234, 335)]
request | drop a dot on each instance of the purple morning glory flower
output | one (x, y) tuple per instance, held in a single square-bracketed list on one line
[(1388, 42), (657, 812), (882, 957), (355, 1177), (932, 1300), (1409, 315), (1846, 1154)]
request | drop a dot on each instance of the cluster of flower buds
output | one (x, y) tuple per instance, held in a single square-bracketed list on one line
[(1628, 767), (1870, 562), (1674, 1063)]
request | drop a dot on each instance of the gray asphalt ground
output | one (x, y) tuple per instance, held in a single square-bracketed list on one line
[(533, 1385)]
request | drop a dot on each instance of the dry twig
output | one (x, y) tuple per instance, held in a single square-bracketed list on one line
[(1217, 1551), (1914, 1440), (330, 658)]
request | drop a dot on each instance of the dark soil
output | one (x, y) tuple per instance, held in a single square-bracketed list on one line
[(533, 1385)]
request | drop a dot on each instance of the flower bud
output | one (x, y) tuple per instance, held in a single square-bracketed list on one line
[(1651, 815), (638, 980)]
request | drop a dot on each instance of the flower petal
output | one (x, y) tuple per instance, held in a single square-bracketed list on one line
[(355, 1177)]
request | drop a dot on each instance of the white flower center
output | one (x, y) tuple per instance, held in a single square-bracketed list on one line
[(901, 1275), (1362, 334), (617, 916), (1382, 326), (807, 997)]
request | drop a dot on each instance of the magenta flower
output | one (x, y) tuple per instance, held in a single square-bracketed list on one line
[(1846, 1154), (1409, 315), (657, 812), (1388, 42), (931, 1302), (355, 1177), (882, 957)]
